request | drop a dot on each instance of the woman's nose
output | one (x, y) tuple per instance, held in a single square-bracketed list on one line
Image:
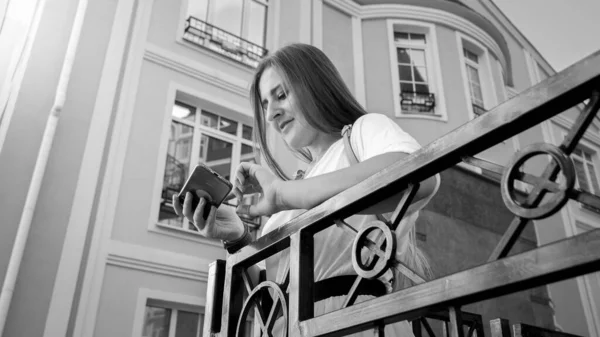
[(273, 112)]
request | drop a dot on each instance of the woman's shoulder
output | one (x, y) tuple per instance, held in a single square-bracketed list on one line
[(373, 118)]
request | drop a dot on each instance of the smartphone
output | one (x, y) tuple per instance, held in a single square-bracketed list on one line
[(205, 179)]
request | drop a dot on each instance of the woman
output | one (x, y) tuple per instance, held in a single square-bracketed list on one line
[(300, 94)]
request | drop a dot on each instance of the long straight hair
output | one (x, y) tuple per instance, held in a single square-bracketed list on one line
[(327, 105), (320, 95)]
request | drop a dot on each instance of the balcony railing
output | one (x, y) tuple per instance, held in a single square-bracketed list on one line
[(216, 39), (417, 102), (501, 275)]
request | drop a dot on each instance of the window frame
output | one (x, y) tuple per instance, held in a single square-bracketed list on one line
[(432, 60), (192, 97), (588, 175), (488, 86), (175, 301)]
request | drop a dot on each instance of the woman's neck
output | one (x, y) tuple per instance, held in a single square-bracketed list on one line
[(321, 145)]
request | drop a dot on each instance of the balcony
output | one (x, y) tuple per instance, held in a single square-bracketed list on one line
[(417, 102), (207, 36)]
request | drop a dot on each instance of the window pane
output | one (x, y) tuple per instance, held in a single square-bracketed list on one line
[(197, 9), (406, 86), (471, 56), (581, 176), (156, 322), (247, 132), (593, 178), (420, 38), (401, 37), (403, 56), (418, 57), (247, 153), (216, 154), (184, 112), (209, 119), (227, 125), (187, 324), (258, 15), (422, 88), (421, 74), (405, 73), (477, 94), (176, 170), (227, 15)]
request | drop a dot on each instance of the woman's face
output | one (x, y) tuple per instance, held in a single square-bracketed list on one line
[(281, 111)]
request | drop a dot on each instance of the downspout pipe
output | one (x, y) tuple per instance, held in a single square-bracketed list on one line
[(16, 256)]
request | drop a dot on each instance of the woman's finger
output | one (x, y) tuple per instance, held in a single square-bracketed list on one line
[(210, 222), (187, 206), (198, 218), (177, 205)]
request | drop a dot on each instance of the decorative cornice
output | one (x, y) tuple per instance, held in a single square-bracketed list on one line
[(402, 11), (435, 16), (196, 70), (157, 261)]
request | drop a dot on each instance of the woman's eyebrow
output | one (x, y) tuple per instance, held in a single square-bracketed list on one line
[(272, 92)]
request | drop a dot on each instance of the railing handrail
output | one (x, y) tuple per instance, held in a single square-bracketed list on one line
[(560, 92)]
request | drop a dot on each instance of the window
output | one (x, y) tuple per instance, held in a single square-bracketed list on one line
[(413, 73), (587, 176), (234, 28), (163, 319), (478, 79), (160, 321), (474, 81), (199, 136)]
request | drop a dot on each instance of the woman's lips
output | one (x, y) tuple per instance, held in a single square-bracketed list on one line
[(284, 125)]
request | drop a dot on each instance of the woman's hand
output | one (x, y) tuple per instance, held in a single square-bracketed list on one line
[(220, 223), (253, 178)]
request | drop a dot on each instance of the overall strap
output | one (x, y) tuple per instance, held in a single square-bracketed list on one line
[(353, 159)]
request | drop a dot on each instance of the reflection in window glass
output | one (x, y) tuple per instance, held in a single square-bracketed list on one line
[(227, 15), (187, 324), (216, 154), (176, 170), (258, 15), (156, 322), (184, 111), (228, 126), (247, 154), (247, 132), (209, 119)]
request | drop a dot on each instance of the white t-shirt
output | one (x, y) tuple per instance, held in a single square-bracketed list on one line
[(372, 134)]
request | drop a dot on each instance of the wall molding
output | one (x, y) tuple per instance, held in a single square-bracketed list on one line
[(182, 65), (157, 261)]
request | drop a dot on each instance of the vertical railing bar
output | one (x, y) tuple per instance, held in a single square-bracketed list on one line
[(416, 328), (232, 300), (301, 281), (214, 298), (456, 326), (403, 204), (380, 330)]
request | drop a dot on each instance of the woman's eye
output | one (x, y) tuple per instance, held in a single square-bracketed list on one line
[(281, 96)]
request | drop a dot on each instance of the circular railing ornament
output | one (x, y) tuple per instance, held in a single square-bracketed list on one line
[(278, 300), (560, 190), (384, 252)]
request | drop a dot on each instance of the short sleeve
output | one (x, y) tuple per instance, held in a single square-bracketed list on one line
[(374, 134)]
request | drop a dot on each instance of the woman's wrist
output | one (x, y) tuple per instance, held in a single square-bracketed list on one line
[(235, 245), (282, 200)]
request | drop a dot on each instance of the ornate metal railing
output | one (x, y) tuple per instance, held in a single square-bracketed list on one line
[(232, 296), (423, 102), (214, 38)]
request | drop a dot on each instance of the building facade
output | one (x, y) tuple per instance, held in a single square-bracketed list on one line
[(157, 86)]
